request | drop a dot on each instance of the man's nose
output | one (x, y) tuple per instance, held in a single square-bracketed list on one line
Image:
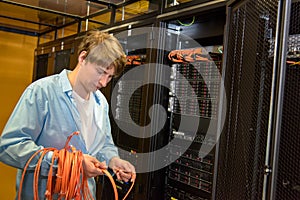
[(103, 81)]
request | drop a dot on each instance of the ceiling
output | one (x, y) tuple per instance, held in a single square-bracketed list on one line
[(40, 17)]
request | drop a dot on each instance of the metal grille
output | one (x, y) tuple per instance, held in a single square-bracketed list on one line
[(288, 177), (248, 75)]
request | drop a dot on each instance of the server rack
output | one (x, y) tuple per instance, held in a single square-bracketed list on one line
[(248, 71), (195, 80), (130, 101), (193, 173), (284, 179), (258, 157)]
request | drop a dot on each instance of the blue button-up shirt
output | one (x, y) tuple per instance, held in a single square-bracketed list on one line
[(45, 116)]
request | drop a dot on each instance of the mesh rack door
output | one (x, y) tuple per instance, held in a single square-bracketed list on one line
[(287, 176), (251, 25)]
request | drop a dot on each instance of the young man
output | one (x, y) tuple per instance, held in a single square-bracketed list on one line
[(54, 107)]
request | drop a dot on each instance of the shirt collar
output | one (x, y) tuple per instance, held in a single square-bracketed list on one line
[(65, 83)]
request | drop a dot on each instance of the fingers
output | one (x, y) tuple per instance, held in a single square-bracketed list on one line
[(94, 172), (131, 168), (101, 165), (92, 167), (126, 172), (123, 169), (123, 175), (125, 166)]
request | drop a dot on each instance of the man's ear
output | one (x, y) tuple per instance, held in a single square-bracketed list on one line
[(82, 56)]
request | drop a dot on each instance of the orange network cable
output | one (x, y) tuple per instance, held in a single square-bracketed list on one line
[(70, 181), (188, 55)]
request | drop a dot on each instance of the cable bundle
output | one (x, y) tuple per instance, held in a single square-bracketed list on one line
[(188, 55), (70, 181)]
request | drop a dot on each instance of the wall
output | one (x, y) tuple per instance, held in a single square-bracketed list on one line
[(17, 61)]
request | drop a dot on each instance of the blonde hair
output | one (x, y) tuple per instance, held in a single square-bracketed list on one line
[(103, 49)]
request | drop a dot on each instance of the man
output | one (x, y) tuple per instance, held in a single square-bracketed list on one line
[(52, 108)]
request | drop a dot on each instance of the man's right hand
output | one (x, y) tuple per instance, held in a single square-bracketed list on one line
[(92, 167)]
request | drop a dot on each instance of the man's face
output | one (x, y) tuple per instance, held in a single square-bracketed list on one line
[(94, 77)]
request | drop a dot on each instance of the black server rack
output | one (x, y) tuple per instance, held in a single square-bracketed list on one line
[(285, 181), (259, 144), (130, 101), (195, 79), (248, 70), (191, 175)]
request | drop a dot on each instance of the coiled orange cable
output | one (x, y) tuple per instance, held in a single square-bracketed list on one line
[(70, 181)]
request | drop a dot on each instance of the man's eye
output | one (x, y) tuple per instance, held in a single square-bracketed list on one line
[(100, 71)]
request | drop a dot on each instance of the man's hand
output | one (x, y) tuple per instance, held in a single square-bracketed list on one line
[(92, 167), (123, 169)]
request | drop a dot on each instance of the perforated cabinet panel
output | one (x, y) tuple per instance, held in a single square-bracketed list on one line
[(288, 176), (248, 78)]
